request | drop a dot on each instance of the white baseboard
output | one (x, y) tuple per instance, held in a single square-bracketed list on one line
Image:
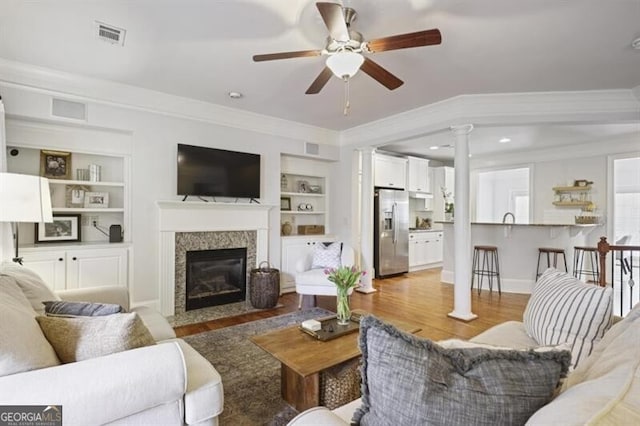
[(509, 285)]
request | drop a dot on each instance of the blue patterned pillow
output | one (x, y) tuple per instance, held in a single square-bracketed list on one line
[(80, 309), (407, 380), (327, 256)]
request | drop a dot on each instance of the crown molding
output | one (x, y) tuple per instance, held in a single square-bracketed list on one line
[(88, 89), (596, 106)]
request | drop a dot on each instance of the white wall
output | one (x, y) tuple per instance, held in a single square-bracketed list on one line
[(154, 139)]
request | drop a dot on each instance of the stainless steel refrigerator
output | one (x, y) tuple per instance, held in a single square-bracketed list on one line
[(391, 232)]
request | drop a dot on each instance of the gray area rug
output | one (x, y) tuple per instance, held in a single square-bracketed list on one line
[(250, 376)]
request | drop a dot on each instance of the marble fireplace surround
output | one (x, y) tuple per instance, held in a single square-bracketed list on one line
[(201, 226)]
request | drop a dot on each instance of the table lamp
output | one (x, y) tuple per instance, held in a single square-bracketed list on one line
[(24, 198)]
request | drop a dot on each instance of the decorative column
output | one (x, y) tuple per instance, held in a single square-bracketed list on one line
[(366, 219), (6, 233), (462, 227)]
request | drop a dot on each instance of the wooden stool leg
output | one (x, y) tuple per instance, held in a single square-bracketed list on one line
[(498, 272), (538, 266), (473, 266)]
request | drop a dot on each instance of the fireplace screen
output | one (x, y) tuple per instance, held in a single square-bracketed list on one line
[(215, 277)]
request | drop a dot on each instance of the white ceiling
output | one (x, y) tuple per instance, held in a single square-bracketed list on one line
[(203, 49)]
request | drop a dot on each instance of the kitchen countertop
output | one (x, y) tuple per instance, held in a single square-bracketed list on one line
[(584, 225), (424, 230)]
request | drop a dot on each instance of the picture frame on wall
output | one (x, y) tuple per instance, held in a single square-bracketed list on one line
[(55, 164), (63, 228), (96, 200), (285, 203)]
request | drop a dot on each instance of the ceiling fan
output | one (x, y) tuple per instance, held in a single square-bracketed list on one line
[(345, 49)]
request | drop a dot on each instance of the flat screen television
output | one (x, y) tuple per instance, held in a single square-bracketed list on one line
[(216, 172)]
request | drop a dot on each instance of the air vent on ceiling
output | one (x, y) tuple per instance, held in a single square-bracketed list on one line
[(110, 34)]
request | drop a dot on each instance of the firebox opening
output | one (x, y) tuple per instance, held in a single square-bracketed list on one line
[(215, 277)]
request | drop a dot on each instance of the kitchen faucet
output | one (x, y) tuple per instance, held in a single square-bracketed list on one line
[(504, 218)]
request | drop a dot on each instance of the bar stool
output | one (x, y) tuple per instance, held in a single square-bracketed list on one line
[(490, 266), (579, 268), (548, 251)]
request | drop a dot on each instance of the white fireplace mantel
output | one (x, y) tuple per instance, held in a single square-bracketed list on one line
[(190, 216)]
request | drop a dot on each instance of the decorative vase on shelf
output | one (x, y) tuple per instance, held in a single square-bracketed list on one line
[(343, 310), (287, 228)]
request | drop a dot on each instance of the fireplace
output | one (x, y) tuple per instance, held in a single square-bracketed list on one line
[(215, 277)]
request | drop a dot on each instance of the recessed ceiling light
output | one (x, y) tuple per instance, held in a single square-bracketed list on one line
[(636, 43), (235, 95), (434, 147), (504, 140)]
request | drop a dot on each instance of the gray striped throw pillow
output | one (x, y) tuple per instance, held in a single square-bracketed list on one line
[(563, 309)]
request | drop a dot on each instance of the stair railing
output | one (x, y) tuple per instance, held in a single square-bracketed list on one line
[(624, 271)]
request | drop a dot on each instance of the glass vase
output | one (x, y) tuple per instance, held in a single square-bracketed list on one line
[(343, 310)]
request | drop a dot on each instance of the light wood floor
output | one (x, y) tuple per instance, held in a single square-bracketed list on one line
[(417, 297)]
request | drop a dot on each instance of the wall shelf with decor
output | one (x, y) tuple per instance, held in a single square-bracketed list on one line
[(104, 200), (303, 195), (578, 195)]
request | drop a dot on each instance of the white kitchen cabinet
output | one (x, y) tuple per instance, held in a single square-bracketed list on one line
[(425, 250), (419, 175), (390, 172), (293, 249), (66, 268)]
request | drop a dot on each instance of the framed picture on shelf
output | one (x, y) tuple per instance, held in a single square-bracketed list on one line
[(55, 164), (303, 186), (96, 200), (63, 228), (74, 195), (285, 203)]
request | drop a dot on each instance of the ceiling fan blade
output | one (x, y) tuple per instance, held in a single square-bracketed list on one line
[(381, 75), (333, 18), (403, 41), (319, 82), (286, 55)]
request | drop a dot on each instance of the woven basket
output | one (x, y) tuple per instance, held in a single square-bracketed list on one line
[(340, 384), (264, 286)]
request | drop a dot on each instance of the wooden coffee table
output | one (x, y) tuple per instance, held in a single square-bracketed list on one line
[(303, 358)]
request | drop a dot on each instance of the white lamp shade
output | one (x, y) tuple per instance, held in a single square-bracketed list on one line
[(345, 63), (24, 198)]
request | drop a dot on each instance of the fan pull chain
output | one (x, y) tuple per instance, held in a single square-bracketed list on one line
[(347, 104)]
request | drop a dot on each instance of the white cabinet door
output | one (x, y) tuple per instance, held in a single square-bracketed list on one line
[(96, 267), (294, 249), (49, 265), (425, 250), (413, 250), (418, 174), (390, 172), (434, 248)]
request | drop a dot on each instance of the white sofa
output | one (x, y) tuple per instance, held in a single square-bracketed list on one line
[(166, 383), (604, 389)]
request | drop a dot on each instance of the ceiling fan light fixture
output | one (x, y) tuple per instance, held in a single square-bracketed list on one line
[(345, 63)]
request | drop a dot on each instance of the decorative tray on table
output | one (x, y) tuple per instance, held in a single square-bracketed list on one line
[(330, 329)]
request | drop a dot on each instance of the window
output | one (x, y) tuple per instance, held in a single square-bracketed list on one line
[(502, 191), (626, 200)]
